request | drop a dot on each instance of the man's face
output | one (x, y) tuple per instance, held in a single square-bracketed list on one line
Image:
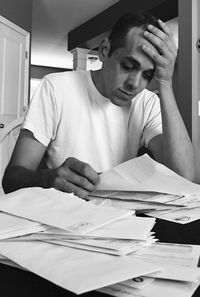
[(128, 70)]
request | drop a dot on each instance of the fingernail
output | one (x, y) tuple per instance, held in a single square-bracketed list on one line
[(146, 33), (150, 27)]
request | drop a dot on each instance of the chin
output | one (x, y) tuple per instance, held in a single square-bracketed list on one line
[(120, 102)]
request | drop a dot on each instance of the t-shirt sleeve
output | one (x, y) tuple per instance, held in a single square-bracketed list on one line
[(153, 125), (41, 117)]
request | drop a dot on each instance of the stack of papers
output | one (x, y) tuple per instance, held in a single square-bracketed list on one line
[(11, 226), (75, 235), (179, 277), (148, 186), (58, 209), (119, 238), (76, 270), (83, 246)]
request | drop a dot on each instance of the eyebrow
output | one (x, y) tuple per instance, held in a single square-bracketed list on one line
[(133, 61), (136, 63)]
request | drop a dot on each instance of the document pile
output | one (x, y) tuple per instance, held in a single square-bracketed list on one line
[(71, 242), (101, 244), (149, 187), (178, 278)]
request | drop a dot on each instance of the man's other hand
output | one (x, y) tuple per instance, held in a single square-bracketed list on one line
[(74, 176)]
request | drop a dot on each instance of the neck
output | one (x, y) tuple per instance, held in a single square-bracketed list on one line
[(98, 81)]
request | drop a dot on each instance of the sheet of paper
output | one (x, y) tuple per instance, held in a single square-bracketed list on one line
[(180, 216), (145, 174), (138, 282), (157, 288), (113, 247), (131, 227), (149, 197), (177, 273), (189, 201), (11, 226), (171, 253), (131, 205), (127, 228), (75, 270), (10, 263), (52, 235), (178, 261), (58, 209)]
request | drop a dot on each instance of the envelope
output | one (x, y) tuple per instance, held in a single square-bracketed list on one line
[(157, 288), (11, 226), (75, 270), (58, 209)]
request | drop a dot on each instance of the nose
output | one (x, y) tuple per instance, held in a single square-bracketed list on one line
[(133, 81)]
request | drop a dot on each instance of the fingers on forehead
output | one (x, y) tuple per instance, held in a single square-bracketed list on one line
[(164, 27)]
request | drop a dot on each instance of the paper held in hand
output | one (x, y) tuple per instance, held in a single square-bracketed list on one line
[(143, 174)]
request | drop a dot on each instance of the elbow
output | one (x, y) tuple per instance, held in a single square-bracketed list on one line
[(9, 181), (6, 183)]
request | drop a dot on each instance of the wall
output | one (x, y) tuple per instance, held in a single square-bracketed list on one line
[(18, 12), (39, 72)]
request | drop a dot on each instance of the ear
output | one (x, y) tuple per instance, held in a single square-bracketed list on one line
[(104, 49)]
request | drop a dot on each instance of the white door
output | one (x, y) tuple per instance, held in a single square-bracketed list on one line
[(14, 71), (14, 77)]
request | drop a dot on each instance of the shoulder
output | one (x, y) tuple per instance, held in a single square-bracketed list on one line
[(147, 95), (145, 99), (66, 77)]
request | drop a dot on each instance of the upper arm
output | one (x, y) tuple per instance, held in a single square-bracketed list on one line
[(155, 146), (28, 151)]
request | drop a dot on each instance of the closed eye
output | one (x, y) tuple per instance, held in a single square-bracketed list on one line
[(148, 75), (127, 67)]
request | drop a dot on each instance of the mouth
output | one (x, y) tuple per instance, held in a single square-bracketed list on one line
[(126, 93)]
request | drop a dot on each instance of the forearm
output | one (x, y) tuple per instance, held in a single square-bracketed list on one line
[(17, 177), (177, 150)]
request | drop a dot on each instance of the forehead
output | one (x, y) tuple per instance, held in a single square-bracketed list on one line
[(133, 47)]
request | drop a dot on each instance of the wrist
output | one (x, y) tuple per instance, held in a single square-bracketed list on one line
[(47, 178), (164, 85)]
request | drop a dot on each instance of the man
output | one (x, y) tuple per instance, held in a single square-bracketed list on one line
[(86, 123)]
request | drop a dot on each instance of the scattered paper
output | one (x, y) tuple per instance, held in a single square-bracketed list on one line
[(179, 262), (180, 216), (179, 257), (58, 209), (157, 288), (113, 247), (144, 174), (11, 226), (134, 228), (73, 269)]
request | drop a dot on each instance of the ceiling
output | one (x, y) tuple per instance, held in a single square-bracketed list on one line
[(52, 20)]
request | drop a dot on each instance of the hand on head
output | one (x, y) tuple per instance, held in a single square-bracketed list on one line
[(163, 53)]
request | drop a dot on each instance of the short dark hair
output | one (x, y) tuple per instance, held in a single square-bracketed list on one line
[(129, 20)]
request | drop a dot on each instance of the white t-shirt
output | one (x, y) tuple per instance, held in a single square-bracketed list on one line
[(71, 118)]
